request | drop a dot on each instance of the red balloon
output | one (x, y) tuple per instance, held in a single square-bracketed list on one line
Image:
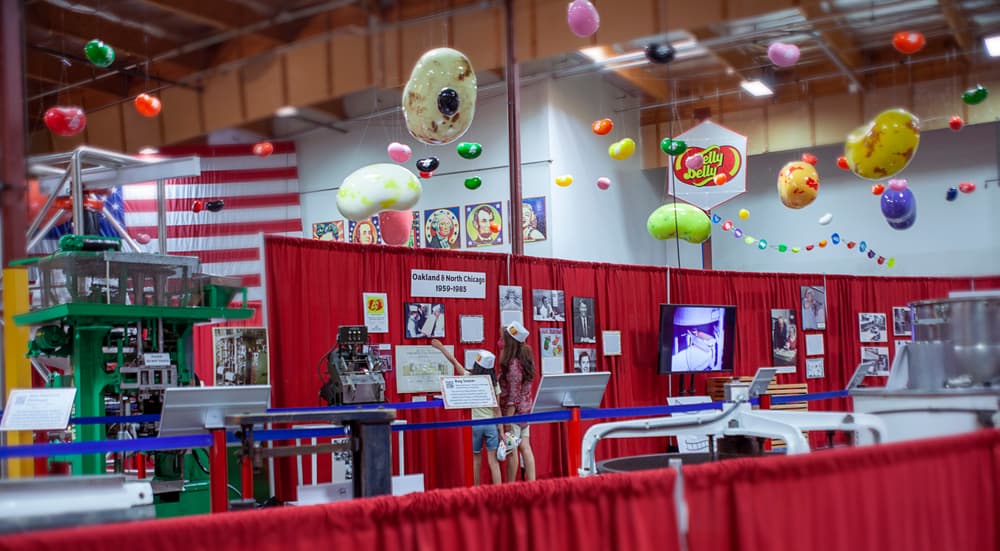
[(65, 121), (197, 206), (908, 42), (878, 189), (494, 227), (809, 158), (851, 244), (602, 126), (721, 179), (426, 175), (143, 238), (956, 123), (147, 105), (842, 163), (395, 226), (966, 187), (809, 247), (263, 149)]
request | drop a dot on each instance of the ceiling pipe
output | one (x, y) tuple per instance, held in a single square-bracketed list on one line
[(856, 85), (151, 30)]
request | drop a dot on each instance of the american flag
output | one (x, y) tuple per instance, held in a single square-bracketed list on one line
[(261, 195)]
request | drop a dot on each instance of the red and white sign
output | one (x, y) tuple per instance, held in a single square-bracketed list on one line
[(724, 152)]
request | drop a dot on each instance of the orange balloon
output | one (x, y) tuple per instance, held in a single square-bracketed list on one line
[(147, 105), (494, 227), (93, 204), (721, 179), (602, 126), (36, 199)]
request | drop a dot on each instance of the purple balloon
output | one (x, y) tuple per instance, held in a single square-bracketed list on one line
[(582, 18), (899, 208)]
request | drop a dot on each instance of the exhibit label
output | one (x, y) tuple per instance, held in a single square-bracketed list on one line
[(447, 283), (38, 409), (376, 313), (468, 392)]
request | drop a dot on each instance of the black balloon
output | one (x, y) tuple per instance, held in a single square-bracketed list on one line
[(660, 53), (448, 102), (215, 206), (428, 164)]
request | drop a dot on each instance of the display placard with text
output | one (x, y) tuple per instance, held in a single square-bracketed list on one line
[(446, 283)]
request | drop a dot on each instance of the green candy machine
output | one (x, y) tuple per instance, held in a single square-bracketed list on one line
[(119, 325)]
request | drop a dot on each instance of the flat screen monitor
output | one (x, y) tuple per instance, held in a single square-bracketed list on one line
[(696, 338)]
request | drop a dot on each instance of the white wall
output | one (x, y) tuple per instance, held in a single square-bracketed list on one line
[(948, 238)]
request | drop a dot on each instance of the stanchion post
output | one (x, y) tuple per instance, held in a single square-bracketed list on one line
[(218, 475), (140, 465), (574, 444), (765, 401), (470, 458), (247, 482)]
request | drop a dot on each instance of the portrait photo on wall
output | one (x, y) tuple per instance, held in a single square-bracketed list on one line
[(241, 355), (533, 218), (483, 225), (584, 360), (784, 337), (548, 305), (877, 359), (902, 321), (329, 231), (813, 307), (365, 231), (871, 327), (424, 320), (583, 320), (442, 229)]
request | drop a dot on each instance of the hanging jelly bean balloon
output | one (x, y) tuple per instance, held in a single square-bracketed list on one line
[(602, 127), (851, 244), (694, 162), (197, 206), (951, 194), (582, 18), (748, 240), (782, 54), (147, 105), (956, 123), (966, 187), (862, 247), (871, 254), (143, 238), (975, 96), (727, 225), (65, 121), (880, 260), (825, 219), (603, 183), (494, 227), (795, 249), (883, 146), (822, 243), (782, 247), (99, 53), (737, 233), (809, 247), (877, 189), (673, 147), (762, 244), (263, 149), (809, 158), (660, 53), (908, 42), (835, 239), (897, 185), (842, 163), (622, 149), (681, 221), (798, 184), (744, 214), (428, 164), (473, 183), (215, 206), (721, 179), (399, 152), (716, 219), (469, 150), (892, 262), (564, 180), (899, 208)]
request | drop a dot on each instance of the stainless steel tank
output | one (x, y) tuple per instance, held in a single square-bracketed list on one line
[(963, 336)]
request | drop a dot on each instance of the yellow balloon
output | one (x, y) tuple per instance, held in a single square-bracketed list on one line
[(564, 180), (884, 146), (622, 149), (798, 183), (744, 214)]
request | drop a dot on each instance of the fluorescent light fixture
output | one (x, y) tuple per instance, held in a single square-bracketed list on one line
[(756, 88), (993, 45), (595, 53), (286, 111), (148, 151)]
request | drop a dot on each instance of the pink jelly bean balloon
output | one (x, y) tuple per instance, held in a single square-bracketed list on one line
[(399, 152), (897, 185), (143, 238), (582, 18), (783, 55), (603, 183), (394, 225), (695, 162)]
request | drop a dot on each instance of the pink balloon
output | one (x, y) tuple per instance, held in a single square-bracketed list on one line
[(583, 18), (695, 162), (897, 185), (783, 55), (143, 238), (603, 183), (399, 152), (394, 225)]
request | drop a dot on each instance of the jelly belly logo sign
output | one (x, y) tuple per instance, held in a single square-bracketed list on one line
[(723, 152)]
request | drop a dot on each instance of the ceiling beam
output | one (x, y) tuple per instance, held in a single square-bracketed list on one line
[(959, 28), (735, 61), (49, 68), (837, 40)]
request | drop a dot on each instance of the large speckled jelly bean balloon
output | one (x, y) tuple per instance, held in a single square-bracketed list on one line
[(439, 100), (884, 146), (377, 187), (798, 184)]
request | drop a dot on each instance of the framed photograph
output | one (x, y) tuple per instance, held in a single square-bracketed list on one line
[(877, 358), (548, 305), (442, 229), (533, 219), (612, 342), (813, 307), (871, 327), (784, 337), (471, 329), (583, 320), (483, 225), (424, 320), (814, 344), (814, 368), (420, 368), (329, 231), (550, 342), (241, 355), (511, 304), (902, 321), (365, 232), (584, 360)]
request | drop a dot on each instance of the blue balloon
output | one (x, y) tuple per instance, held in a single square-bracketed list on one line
[(835, 238), (952, 194), (899, 208), (862, 247), (737, 233), (716, 219)]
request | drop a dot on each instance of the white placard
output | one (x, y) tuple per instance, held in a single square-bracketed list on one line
[(814, 344), (446, 283), (38, 409), (420, 368), (550, 342), (156, 359), (612, 342), (814, 368), (376, 312), (471, 329), (468, 392)]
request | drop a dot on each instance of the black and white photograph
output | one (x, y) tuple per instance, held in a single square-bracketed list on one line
[(871, 327), (814, 368), (902, 321), (584, 360), (583, 320), (548, 305), (877, 359), (784, 337), (813, 307), (424, 320), (511, 304), (241, 355)]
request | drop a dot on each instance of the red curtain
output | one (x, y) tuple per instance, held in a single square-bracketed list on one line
[(313, 287)]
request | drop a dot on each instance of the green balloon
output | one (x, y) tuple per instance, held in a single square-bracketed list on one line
[(474, 182), (782, 247), (468, 150), (975, 96), (762, 244), (680, 220), (99, 53), (673, 147)]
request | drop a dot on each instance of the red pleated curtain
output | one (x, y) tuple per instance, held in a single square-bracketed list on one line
[(313, 287)]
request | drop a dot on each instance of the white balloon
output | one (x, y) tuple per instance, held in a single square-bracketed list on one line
[(825, 219), (377, 187), (439, 72)]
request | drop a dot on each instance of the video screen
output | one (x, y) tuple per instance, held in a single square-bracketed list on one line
[(696, 338)]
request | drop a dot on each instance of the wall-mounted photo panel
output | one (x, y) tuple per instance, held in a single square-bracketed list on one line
[(548, 305), (584, 360), (813, 307), (902, 321), (424, 320), (871, 327)]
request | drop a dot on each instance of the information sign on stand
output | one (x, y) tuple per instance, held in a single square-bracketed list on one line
[(581, 390), (468, 392), (38, 409), (195, 410)]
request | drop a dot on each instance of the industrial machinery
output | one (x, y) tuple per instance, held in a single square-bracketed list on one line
[(355, 373)]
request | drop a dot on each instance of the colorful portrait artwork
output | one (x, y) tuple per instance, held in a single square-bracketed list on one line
[(533, 219), (442, 229), (414, 241), (365, 231), (329, 231), (483, 225)]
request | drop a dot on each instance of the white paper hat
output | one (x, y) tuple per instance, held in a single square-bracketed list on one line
[(485, 359), (517, 331)]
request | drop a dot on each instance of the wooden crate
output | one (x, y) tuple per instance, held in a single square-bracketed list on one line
[(716, 389)]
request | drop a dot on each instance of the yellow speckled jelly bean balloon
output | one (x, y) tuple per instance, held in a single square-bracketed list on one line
[(884, 146)]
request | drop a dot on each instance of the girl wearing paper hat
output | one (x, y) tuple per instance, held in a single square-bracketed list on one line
[(517, 371)]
